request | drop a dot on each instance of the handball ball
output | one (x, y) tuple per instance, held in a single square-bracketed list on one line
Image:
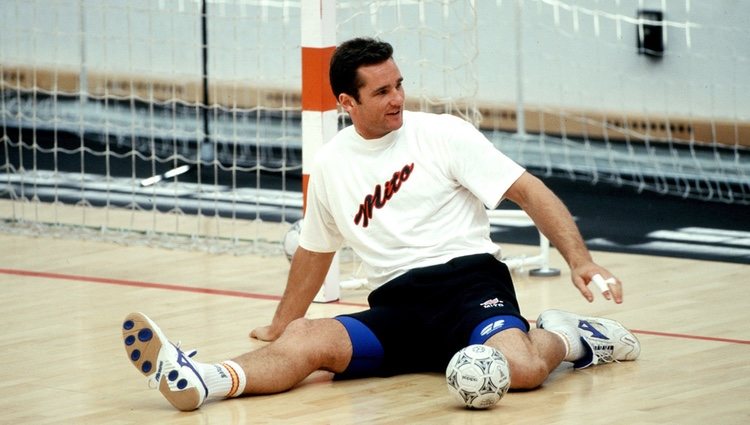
[(478, 376), (291, 239)]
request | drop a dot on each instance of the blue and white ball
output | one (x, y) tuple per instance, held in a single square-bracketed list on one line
[(478, 376)]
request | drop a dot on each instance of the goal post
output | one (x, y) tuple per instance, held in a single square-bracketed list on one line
[(319, 109)]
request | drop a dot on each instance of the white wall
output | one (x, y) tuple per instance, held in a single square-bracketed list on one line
[(576, 53)]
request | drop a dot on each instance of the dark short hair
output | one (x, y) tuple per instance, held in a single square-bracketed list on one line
[(348, 57)]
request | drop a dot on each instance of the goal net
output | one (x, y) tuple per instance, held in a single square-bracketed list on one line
[(177, 122)]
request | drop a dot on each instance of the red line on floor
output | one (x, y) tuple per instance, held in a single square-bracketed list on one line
[(241, 294), (138, 284), (686, 336)]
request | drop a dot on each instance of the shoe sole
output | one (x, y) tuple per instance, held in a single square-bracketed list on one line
[(144, 342)]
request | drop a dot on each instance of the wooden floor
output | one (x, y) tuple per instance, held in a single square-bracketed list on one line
[(62, 360)]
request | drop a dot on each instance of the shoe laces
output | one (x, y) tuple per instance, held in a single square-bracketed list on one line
[(187, 353), (604, 353)]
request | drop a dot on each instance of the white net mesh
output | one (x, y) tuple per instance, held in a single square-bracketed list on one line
[(99, 95), (434, 45), (598, 111)]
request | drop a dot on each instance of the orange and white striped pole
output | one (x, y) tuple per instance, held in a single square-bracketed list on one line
[(319, 125)]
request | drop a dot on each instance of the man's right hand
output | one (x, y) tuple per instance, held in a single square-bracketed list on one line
[(264, 333), (306, 275)]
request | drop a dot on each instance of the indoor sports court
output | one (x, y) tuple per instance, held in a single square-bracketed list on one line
[(154, 156)]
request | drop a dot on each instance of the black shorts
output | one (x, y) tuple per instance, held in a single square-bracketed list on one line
[(417, 321)]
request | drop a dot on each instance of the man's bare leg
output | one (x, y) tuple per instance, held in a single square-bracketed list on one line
[(531, 356), (305, 347)]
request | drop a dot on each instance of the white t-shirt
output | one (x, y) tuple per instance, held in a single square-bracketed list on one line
[(413, 198)]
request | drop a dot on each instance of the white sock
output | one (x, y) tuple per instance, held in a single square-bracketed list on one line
[(574, 348), (224, 380)]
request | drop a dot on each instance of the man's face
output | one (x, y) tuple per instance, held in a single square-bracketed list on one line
[(381, 100)]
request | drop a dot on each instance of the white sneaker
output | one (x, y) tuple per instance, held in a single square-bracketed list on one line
[(176, 375), (606, 340)]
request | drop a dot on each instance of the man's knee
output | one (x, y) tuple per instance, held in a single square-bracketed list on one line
[(528, 369), (332, 328), (527, 373), (298, 327), (323, 341)]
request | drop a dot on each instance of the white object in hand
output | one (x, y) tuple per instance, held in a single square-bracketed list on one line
[(601, 283)]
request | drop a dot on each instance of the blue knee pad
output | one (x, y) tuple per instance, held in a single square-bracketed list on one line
[(367, 352), (483, 331)]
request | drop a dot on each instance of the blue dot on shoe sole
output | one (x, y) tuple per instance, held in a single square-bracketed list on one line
[(128, 325), (145, 334), (135, 355), (129, 340), (181, 384), (146, 366), (173, 375)]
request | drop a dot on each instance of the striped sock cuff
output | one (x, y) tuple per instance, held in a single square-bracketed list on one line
[(239, 380), (565, 341)]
